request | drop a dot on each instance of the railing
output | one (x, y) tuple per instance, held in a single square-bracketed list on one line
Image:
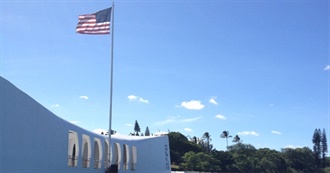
[(125, 165), (106, 163), (133, 167), (97, 164), (85, 162), (72, 160)]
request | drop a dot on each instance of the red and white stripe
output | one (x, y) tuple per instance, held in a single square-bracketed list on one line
[(87, 25)]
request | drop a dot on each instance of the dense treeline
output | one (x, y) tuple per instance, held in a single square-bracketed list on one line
[(197, 155)]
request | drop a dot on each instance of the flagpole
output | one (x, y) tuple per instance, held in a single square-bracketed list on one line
[(111, 78)]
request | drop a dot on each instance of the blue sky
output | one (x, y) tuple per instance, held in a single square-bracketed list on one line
[(259, 69)]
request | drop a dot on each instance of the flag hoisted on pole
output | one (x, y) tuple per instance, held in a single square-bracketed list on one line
[(99, 23), (96, 23)]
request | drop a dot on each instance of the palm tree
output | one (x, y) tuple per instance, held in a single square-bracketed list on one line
[(207, 136), (194, 139), (237, 139), (225, 134)]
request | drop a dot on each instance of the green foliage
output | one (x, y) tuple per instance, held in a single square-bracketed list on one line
[(300, 159), (324, 148), (317, 147), (179, 145), (326, 170), (236, 139), (244, 149), (225, 159), (189, 155), (225, 134), (137, 128), (244, 156), (147, 132), (207, 137), (200, 162), (270, 161)]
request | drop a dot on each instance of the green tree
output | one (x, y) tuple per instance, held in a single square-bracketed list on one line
[(225, 134), (236, 139), (240, 148), (207, 137), (226, 160), (244, 158), (200, 161), (147, 132), (317, 147), (137, 128), (194, 139), (300, 159), (324, 148), (270, 161), (179, 145)]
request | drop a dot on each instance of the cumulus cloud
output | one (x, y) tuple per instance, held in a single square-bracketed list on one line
[(193, 105), (276, 132), (140, 99), (55, 105), (248, 133), (143, 100), (326, 68), (132, 97), (221, 117), (188, 129), (176, 119), (84, 97), (213, 101)]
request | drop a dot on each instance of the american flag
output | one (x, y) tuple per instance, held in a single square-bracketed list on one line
[(96, 23)]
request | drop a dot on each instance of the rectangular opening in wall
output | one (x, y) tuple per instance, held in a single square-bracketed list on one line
[(97, 153), (106, 155), (86, 151), (125, 156), (117, 155), (133, 158), (73, 149)]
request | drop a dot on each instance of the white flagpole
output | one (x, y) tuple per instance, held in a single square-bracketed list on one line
[(111, 77)]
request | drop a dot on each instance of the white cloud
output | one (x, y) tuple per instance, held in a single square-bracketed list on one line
[(221, 117), (129, 125), (292, 146), (140, 99), (190, 119), (326, 68), (193, 104), (132, 97), (212, 100), (176, 119), (188, 129), (248, 133), (55, 106), (276, 132), (84, 97), (143, 100)]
